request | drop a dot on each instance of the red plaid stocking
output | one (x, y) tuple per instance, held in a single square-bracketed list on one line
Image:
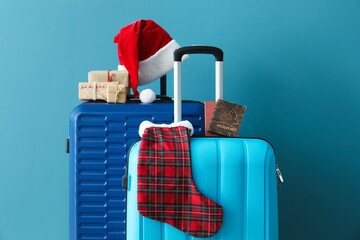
[(166, 189)]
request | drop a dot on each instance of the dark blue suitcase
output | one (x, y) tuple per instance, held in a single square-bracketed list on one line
[(100, 137)]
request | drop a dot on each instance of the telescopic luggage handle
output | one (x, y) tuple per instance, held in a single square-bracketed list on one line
[(178, 53)]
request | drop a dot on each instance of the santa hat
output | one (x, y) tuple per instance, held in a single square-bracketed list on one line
[(145, 50)]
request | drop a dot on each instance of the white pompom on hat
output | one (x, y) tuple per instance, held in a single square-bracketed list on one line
[(145, 50), (147, 96)]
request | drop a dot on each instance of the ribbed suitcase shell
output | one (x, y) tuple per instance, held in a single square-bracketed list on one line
[(237, 173), (100, 136)]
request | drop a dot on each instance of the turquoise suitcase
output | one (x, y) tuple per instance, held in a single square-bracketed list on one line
[(240, 174)]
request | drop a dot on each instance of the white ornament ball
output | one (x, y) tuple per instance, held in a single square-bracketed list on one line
[(147, 96)]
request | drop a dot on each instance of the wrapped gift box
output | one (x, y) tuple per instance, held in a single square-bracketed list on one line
[(112, 92), (121, 77)]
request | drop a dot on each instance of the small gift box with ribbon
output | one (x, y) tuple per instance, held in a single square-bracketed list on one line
[(121, 77), (112, 92)]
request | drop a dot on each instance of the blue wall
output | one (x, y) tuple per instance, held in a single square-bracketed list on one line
[(294, 64)]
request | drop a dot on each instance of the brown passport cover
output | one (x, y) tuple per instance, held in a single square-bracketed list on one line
[(209, 109), (226, 119)]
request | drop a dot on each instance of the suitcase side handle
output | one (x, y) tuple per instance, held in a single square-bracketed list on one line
[(178, 53)]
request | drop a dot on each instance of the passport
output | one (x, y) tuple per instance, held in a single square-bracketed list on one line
[(209, 110), (226, 119)]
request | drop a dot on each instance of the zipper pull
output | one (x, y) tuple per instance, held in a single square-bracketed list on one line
[(281, 179)]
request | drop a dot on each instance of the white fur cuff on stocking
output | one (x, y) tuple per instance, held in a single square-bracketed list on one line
[(146, 124)]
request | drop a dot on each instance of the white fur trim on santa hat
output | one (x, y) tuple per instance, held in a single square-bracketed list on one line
[(146, 124), (158, 64)]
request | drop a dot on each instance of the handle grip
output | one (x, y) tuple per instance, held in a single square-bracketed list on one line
[(217, 52), (178, 53)]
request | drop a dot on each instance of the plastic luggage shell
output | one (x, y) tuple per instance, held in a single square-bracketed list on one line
[(100, 137), (237, 173)]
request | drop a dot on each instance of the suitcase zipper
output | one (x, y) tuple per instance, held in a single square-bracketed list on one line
[(280, 177)]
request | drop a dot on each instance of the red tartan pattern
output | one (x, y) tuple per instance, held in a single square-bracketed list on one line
[(166, 190)]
